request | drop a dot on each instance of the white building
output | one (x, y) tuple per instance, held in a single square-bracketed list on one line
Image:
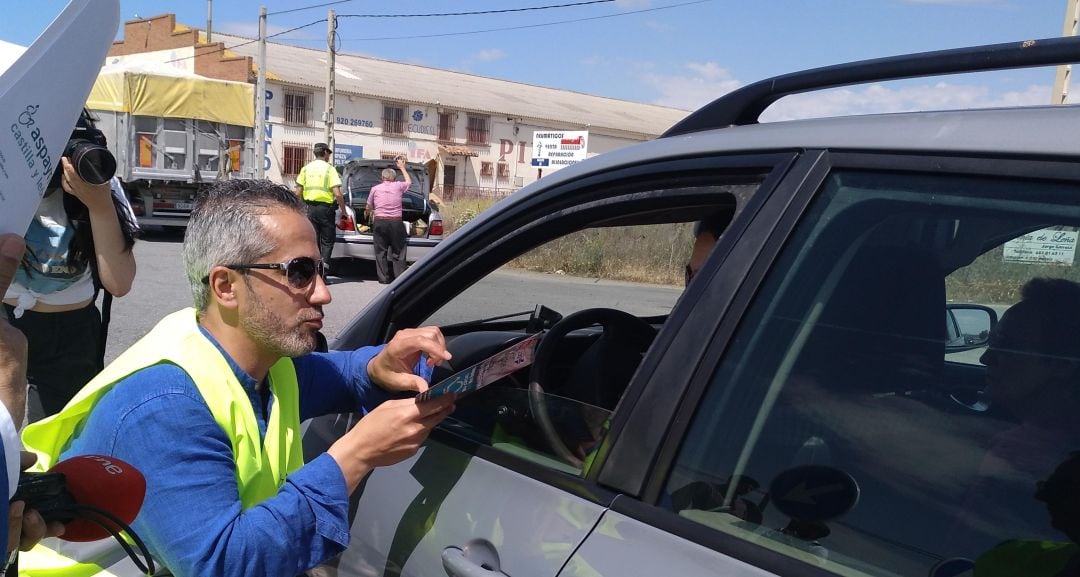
[(475, 132)]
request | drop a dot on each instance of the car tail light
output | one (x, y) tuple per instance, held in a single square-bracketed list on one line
[(137, 208), (435, 228)]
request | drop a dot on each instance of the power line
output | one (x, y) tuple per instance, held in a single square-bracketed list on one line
[(465, 33), (502, 11), (479, 12), (323, 5), (224, 48), (525, 26)]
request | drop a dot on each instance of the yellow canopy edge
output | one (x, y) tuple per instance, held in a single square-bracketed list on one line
[(146, 94)]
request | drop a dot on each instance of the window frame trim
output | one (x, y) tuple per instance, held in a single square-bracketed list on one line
[(644, 507)]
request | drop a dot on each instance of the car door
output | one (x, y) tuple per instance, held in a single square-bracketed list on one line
[(487, 494), (805, 426)]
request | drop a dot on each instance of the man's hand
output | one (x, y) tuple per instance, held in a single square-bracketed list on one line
[(25, 526), (387, 435), (392, 368), (12, 341)]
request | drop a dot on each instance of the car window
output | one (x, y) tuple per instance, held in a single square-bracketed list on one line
[(834, 431), (616, 282)]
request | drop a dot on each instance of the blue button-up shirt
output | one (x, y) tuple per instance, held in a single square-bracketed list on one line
[(191, 518)]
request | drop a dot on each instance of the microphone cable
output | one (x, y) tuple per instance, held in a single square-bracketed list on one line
[(107, 521)]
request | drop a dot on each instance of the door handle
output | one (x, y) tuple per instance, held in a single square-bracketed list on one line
[(476, 559)]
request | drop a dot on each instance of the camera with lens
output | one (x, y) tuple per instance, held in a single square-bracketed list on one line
[(87, 152)]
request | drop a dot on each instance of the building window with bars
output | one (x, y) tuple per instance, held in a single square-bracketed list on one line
[(447, 120), (477, 130), (294, 156), (486, 169), (297, 107), (504, 171), (393, 121)]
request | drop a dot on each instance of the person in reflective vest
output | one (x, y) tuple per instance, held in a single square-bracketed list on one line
[(1043, 558), (319, 184), (208, 405)]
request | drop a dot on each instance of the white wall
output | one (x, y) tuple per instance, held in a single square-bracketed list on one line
[(359, 123)]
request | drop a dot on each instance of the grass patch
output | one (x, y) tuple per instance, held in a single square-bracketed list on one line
[(658, 253)]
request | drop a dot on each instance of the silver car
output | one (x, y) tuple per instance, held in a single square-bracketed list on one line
[(422, 219), (800, 408)]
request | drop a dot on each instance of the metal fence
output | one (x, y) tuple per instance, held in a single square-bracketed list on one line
[(454, 193)]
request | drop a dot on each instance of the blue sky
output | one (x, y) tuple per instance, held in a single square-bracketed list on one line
[(680, 53)]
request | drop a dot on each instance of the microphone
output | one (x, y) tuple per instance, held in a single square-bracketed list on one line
[(94, 496), (106, 483)]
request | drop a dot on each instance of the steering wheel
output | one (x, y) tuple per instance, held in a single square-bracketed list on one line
[(621, 329)]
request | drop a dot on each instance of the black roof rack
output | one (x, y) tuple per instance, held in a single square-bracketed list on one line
[(745, 105)]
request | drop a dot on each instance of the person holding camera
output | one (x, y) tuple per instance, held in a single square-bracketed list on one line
[(79, 240), (388, 230), (319, 184)]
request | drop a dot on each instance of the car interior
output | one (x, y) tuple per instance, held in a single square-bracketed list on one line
[(848, 375), (855, 367)]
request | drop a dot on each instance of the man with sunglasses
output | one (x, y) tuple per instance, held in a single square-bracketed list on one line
[(208, 405)]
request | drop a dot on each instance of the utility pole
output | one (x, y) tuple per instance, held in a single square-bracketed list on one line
[(1064, 72), (260, 100), (209, 20), (331, 37)]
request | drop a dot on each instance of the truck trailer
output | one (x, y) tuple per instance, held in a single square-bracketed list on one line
[(172, 133)]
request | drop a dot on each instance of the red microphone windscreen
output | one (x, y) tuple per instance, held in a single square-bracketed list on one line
[(103, 482)]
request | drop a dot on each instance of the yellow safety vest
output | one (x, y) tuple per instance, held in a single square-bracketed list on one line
[(1025, 557), (261, 464), (318, 178)]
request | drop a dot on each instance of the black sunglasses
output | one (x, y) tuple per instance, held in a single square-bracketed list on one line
[(299, 271)]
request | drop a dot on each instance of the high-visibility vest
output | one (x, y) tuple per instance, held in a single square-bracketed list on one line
[(261, 467), (1030, 558), (318, 178)]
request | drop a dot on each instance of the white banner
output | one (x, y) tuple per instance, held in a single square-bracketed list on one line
[(559, 147), (1048, 246), (41, 96)]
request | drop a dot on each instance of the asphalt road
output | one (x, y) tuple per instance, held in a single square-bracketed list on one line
[(161, 287)]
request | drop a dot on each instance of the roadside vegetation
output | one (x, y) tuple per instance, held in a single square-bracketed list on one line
[(659, 253), (989, 280)]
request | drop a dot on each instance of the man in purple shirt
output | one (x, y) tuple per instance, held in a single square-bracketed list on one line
[(388, 230)]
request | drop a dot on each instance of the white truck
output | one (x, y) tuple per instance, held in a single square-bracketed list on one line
[(172, 133)]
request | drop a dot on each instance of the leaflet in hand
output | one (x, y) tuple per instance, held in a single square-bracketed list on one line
[(487, 371)]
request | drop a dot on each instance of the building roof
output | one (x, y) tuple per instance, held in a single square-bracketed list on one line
[(411, 83)]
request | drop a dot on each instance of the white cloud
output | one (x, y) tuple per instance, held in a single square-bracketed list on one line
[(953, 2), (489, 55), (659, 26), (877, 98), (703, 83)]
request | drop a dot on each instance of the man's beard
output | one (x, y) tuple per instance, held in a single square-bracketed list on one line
[(271, 332)]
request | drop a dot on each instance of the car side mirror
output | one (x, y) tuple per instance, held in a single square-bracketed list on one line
[(968, 326)]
